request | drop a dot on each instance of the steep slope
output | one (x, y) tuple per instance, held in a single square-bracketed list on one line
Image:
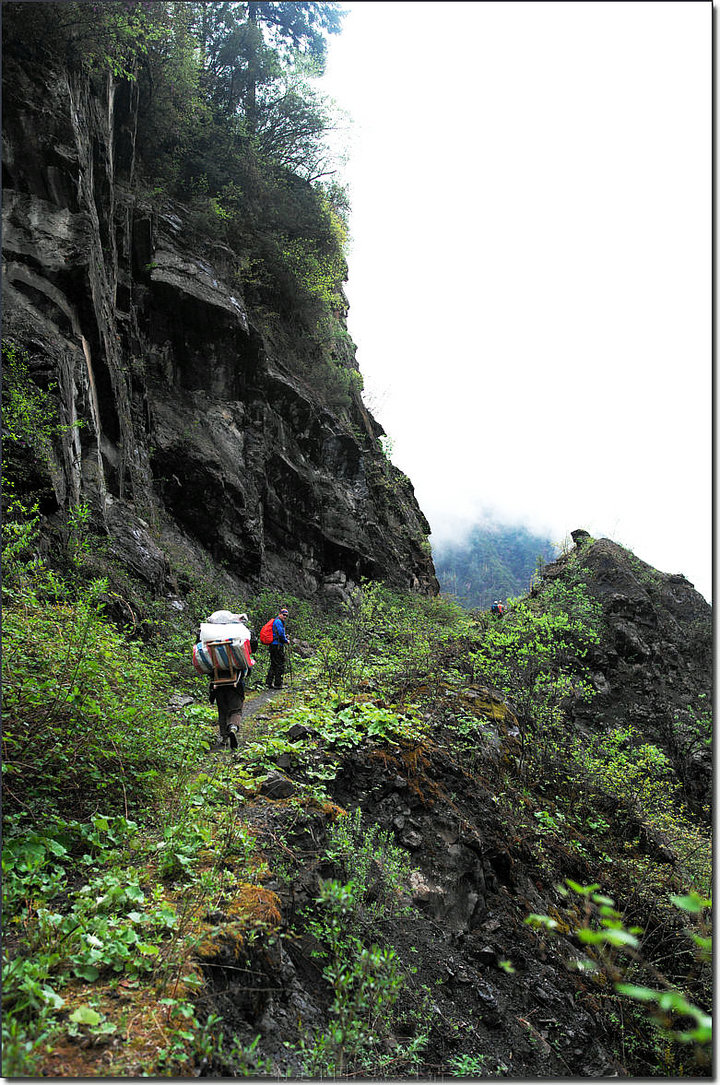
[(196, 427), (652, 667), (392, 877), (495, 802)]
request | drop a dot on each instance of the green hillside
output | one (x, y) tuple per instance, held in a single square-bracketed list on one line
[(413, 845)]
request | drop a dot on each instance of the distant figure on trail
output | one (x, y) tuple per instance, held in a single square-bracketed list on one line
[(276, 671), (497, 608)]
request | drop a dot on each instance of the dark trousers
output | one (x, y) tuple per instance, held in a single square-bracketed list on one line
[(277, 666), (229, 701)]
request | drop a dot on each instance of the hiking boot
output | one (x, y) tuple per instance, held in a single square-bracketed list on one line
[(233, 739)]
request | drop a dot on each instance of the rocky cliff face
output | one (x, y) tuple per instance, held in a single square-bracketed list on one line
[(652, 668), (193, 429)]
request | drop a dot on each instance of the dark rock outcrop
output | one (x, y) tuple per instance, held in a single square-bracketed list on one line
[(192, 428), (462, 920), (653, 665)]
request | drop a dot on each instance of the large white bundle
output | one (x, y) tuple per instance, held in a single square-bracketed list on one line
[(222, 616), (235, 631)]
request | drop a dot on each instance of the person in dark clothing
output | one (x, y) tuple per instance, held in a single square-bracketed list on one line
[(277, 651), (229, 700)]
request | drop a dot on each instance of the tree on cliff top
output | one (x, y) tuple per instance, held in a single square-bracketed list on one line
[(250, 64), (249, 46), (229, 120)]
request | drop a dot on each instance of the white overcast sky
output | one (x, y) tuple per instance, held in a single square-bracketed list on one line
[(530, 261)]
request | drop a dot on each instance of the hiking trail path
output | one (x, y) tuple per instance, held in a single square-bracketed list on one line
[(258, 701)]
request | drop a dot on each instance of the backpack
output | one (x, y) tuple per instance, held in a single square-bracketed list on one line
[(266, 633)]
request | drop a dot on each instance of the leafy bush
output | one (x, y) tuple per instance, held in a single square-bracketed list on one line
[(365, 983), (84, 723), (640, 774), (535, 657), (373, 863), (614, 950)]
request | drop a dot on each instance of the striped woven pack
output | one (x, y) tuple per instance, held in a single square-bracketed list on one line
[(230, 654)]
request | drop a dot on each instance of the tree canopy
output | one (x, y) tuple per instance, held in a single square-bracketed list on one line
[(244, 67)]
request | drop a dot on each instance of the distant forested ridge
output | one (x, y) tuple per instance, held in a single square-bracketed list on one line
[(493, 562)]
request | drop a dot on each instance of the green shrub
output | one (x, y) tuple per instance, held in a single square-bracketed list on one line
[(640, 774), (372, 862), (85, 726), (365, 983), (614, 951)]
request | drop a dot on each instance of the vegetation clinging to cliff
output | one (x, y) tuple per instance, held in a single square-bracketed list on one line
[(230, 121)]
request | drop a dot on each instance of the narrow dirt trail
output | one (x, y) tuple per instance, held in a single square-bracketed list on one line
[(251, 728), (252, 706)]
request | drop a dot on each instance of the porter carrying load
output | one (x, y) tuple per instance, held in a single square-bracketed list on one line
[(223, 650)]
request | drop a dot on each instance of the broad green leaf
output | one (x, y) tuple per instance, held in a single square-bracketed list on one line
[(619, 938), (52, 997), (700, 1035), (673, 1000), (584, 890), (86, 972), (640, 994), (705, 944), (33, 854), (691, 902), (590, 937), (84, 1015), (606, 910)]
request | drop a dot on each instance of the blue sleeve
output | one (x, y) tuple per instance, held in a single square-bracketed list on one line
[(279, 632)]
